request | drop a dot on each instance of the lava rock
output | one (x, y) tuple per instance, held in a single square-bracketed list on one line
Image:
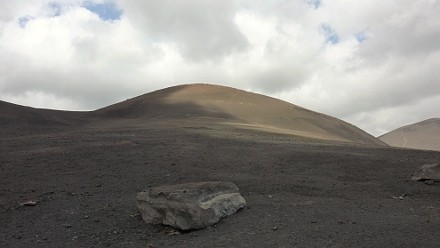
[(427, 172), (189, 206)]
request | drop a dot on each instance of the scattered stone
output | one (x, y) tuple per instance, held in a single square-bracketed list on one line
[(401, 197), (274, 228), (189, 206), (173, 232), (427, 172), (134, 215), (28, 204), (67, 225)]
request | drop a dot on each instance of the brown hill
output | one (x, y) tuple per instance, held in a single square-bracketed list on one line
[(423, 135), (237, 108)]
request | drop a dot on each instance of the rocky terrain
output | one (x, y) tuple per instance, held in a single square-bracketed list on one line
[(70, 179)]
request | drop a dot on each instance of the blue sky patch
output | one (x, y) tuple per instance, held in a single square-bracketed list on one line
[(361, 37), (55, 8), (107, 11), (330, 35), (314, 3), (22, 21)]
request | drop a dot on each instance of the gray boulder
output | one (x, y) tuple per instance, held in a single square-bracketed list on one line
[(427, 172), (191, 205)]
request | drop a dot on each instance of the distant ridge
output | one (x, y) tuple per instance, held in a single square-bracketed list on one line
[(423, 135)]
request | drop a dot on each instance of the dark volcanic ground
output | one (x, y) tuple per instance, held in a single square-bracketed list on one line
[(300, 192)]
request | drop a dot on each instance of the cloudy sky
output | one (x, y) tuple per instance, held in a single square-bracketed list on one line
[(373, 63)]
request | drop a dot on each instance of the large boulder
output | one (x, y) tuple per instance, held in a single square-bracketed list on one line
[(427, 172), (191, 205)]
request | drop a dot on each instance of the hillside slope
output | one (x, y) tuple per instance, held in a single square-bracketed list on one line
[(17, 119)]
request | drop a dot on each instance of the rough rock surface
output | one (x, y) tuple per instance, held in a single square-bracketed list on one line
[(191, 205), (427, 172)]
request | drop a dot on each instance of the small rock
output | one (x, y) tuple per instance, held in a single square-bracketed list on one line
[(172, 232), (29, 203), (275, 228), (401, 197), (67, 225)]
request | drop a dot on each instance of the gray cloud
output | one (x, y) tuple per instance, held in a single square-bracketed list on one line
[(200, 29)]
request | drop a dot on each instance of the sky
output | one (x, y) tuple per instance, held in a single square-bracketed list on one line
[(375, 64)]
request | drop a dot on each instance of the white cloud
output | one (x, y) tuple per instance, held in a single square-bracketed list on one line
[(365, 62), (393, 117)]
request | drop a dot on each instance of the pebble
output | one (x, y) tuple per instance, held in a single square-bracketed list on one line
[(29, 203), (67, 225)]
